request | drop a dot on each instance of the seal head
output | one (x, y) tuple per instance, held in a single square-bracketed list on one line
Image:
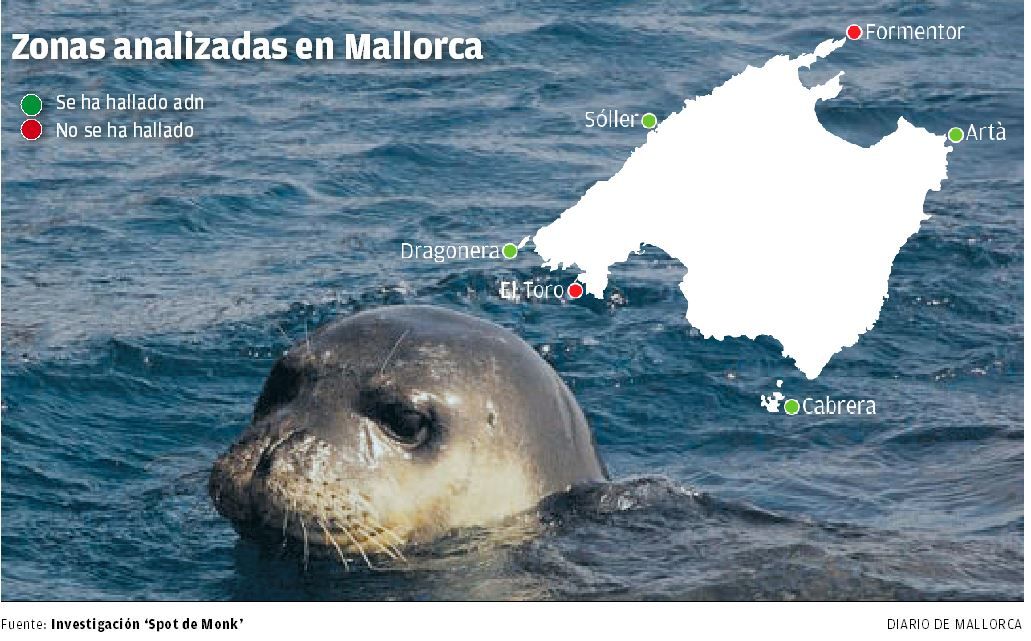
[(396, 425)]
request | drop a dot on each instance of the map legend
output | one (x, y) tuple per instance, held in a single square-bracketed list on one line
[(31, 105)]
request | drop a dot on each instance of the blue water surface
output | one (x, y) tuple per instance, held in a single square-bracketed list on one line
[(148, 286)]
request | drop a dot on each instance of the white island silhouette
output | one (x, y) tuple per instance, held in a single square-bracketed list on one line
[(785, 229)]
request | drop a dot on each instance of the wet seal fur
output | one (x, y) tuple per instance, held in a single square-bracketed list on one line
[(396, 425)]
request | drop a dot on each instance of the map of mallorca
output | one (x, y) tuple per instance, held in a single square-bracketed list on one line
[(785, 229)]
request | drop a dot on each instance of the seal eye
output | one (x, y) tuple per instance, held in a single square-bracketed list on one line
[(410, 427), (398, 418), (282, 386)]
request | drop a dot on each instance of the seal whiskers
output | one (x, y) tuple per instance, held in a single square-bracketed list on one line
[(393, 349), (331, 540), (373, 536), (359, 546), (381, 529), (305, 530), (397, 540)]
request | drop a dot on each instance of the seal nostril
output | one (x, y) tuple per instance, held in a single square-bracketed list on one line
[(264, 465)]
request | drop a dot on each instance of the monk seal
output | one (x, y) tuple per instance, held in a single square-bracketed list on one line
[(396, 425)]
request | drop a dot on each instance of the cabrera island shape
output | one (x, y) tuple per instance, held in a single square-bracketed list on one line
[(747, 190)]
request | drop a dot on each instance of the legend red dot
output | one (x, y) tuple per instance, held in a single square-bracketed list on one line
[(576, 290), (854, 32), (31, 129)]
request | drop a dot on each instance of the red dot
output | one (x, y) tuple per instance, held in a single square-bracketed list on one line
[(576, 290), (854, 32), (31, 129)]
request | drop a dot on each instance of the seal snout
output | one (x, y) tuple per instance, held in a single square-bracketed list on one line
[(293, 485)]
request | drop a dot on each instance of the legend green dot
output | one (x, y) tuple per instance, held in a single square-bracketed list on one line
[(510, 250), (791, 406), (956, 134), (31, 104), (649, 120)]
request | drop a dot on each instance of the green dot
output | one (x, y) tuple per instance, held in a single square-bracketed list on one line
[(956, 134), (510, 250), (649, 120), (31, 104), (791, 406)]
